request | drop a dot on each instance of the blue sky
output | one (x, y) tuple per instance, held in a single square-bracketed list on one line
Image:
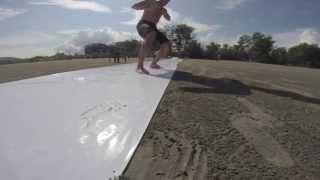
[(43, 27)]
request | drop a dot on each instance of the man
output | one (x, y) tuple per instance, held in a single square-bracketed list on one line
[(147, 29)]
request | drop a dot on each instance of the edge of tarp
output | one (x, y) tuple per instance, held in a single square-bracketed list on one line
[(148, 125)]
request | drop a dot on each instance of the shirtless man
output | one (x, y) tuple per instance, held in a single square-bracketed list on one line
[(147, 29)]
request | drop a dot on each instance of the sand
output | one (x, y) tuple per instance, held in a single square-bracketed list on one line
[(221, 120)]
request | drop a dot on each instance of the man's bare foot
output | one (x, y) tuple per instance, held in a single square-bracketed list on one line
[(155, 66), (142, 71)]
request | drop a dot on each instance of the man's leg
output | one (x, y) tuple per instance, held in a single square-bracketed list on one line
[(145, 49), (164, 51)]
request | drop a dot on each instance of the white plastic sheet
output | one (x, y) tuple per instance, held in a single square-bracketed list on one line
[(81, 125)]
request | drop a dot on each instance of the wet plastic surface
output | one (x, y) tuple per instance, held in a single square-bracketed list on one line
[(77, 125)]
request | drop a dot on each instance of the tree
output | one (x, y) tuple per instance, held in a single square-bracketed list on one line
[(304, 55), (243, 47), (97, 50), (256, 47), (194, 50), (60, 56), (227, 52), (180, 36), (279, 56), (261, 47), (212, 51), (129, 48)]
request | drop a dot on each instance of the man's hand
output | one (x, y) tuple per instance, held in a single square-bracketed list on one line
[(166, 14)]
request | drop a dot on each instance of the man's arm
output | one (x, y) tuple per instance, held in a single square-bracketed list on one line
[(140, 5), (166, 14), (164, 2)]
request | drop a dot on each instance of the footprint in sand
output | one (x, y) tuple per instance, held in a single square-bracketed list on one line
[(252, 126)]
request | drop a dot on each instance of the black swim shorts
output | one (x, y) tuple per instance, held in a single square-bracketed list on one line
[(144, 27)]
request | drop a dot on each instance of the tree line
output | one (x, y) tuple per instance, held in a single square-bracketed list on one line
[(128, 49), (257, 47), (123, 49)]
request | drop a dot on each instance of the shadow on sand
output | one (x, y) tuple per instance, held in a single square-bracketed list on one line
[(229, 86)]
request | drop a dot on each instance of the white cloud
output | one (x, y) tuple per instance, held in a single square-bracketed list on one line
[(79, 38), (291, 38), (205, 33), (28, 44), (176, 18), (8, 13), (230, 4), (76, 5), (136, 16), (311, 36), (200, 27), (220, 38)]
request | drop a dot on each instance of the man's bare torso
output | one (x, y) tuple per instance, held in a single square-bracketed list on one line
[(153, 14)]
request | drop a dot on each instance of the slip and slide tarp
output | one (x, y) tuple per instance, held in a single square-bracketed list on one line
[(80, 125)]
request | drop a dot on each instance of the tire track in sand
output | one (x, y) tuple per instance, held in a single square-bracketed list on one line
[(253, 126)]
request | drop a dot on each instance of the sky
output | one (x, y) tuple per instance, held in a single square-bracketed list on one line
[(43, 27)]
